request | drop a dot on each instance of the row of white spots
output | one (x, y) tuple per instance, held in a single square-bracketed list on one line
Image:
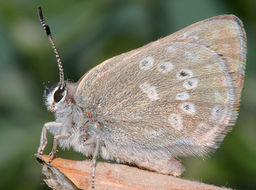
[(164, 67), (187, 107), (188, 84), (176, 122), (148, 62), (149, 90), (218, 114)]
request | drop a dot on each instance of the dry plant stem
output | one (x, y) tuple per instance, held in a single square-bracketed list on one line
[(70, 174)]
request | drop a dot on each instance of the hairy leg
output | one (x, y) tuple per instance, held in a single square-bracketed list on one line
[(43, 141), (96, 142)]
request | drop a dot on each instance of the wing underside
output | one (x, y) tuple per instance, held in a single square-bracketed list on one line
[(177, 95)]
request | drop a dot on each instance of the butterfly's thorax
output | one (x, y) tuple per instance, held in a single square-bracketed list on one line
[(76, 123)]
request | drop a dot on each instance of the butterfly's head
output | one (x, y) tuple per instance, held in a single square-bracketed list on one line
[(58, 98), (55, 97)]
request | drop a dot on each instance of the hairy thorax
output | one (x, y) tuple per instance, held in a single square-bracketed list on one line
[(70, 116)]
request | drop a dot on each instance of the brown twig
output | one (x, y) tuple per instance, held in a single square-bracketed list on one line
[(69, 174)]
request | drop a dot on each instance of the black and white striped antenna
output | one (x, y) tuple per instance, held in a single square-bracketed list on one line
[(49, 35)]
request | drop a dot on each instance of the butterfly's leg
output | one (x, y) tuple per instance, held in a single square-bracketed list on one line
[(43, 141), (96, 142), (55, 144), (94, 158)]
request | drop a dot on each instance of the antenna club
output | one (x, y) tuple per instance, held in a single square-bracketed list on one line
[(41, 18), (40, 13)]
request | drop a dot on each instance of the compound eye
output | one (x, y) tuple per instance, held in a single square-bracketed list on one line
[(59, 94)]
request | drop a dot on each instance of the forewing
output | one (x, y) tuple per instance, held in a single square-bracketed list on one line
[(178, 94)]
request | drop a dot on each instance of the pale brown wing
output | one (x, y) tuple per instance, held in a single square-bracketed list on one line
[(175, 96)]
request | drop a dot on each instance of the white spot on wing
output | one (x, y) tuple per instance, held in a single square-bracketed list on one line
[(164, 67), (182, 96), (171, 49), (188, 108), (193, 37), (191, 56), (149, 90), (219, 113), (176, 121), (184, 74), (146, 63), (190, 83)]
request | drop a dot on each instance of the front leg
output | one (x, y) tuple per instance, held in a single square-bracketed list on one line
[(43, 141)]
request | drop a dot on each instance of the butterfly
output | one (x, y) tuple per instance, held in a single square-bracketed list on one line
[(175, 97)]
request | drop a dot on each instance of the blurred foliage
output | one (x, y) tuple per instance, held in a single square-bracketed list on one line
[(87, 33)]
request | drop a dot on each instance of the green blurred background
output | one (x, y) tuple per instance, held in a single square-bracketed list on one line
[(87, 33)]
